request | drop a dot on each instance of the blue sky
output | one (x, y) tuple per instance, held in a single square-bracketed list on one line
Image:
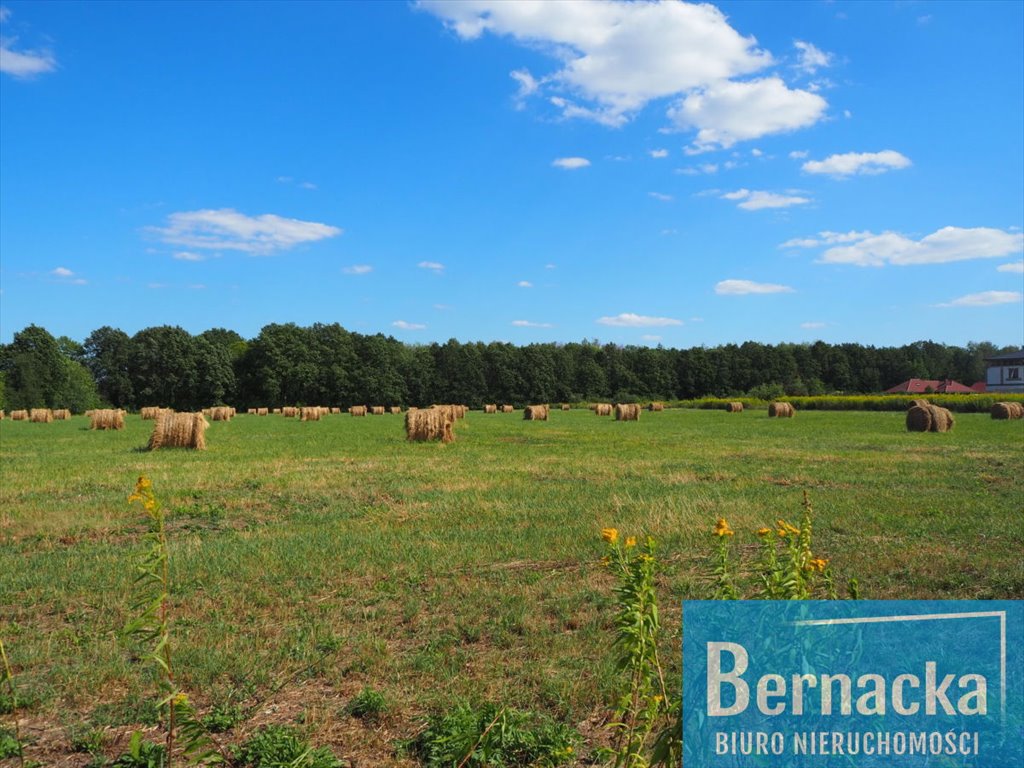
[(640, 173)]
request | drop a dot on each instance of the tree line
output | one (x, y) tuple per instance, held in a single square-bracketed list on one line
[(324, 364)]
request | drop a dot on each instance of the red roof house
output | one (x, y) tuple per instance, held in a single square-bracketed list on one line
[(922, 386)]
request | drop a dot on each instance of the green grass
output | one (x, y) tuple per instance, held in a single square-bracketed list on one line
[(311, 560)]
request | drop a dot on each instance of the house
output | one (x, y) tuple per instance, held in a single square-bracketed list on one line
[(1006, 372), (926, 386)]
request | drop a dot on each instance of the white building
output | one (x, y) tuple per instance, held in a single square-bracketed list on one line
[(1005, 372)]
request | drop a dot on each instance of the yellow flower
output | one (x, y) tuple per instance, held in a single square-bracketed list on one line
[(764, 531), (722, 528), (819, 564), (606, 560), (631, 541), (785, 528), (611, 535)]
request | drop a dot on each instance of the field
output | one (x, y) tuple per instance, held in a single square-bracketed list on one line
[(311, 560)]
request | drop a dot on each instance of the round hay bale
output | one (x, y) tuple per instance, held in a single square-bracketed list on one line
[(508, 408), (40, 416), (357, 410), (653, 407), (220, 413), (734, 407), (566, 407), (377, 410), (781, 410), (535, 413), (920, 401), (490, 408), (942, 419), (3, 415), (1008, 410), (311, 413), (603, 409), (627, 412), (19, 415), (179, 430), (919, 418), (289, 412), (61, 414), (422, 425), (107, 418)]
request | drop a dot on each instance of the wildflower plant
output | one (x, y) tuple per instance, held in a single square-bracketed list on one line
[(644, 702), (151, 627)]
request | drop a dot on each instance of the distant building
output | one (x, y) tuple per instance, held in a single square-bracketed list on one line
[(925, 386), (1006, 372)]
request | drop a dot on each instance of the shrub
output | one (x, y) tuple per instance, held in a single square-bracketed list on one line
[(367, 704), (141, 754), (493, 736), (279, 746)]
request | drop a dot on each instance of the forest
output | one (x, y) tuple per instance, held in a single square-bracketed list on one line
[(325, 364)]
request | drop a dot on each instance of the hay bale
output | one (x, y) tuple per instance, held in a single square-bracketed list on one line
[(149, 412), (377, 410), (289, 412), (656, 407), (107, 418), (535, 413), (220, 413), (627, 412), (422, 425), (396, 410), (357, 410), (61, 414), (263, 411), (490, 408), (566, 407), (311, 413), (508, 409), (19, 415), (603, 409), (1010, 410), (942, 419), (781, 410), (919, 401), (919, 418), (335, 410), (3, 415), (40, 416), (179, 430), (734, 407)]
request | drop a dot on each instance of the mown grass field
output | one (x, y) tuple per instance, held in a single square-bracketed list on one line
[(312, 559)]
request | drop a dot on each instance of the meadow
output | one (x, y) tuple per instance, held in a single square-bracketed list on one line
[(313, 561)]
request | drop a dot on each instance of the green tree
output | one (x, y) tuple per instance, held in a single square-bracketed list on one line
[(107, 354)]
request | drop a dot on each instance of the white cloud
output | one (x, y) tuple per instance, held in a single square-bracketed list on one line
[(550, 266), (985, 299), (745, 287), (826, 238), (530, 324), (189, 256), (1016, 267), (528, 86), (156, 286), (798, 154), (61, 272), (661, 196), (227, 229), (863, 163), (812, 325), (946, 245), (24, 64), (727, 112), (570, 163), (658, 153), (433, 266), (524, 284), (615, 56), (357, 269), (756, 200), (651, 337), (811, 58), (756, 152), (629, 320), (308, 185), (408, 326)]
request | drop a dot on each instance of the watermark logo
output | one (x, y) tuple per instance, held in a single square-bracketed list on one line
[(853, 683)]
